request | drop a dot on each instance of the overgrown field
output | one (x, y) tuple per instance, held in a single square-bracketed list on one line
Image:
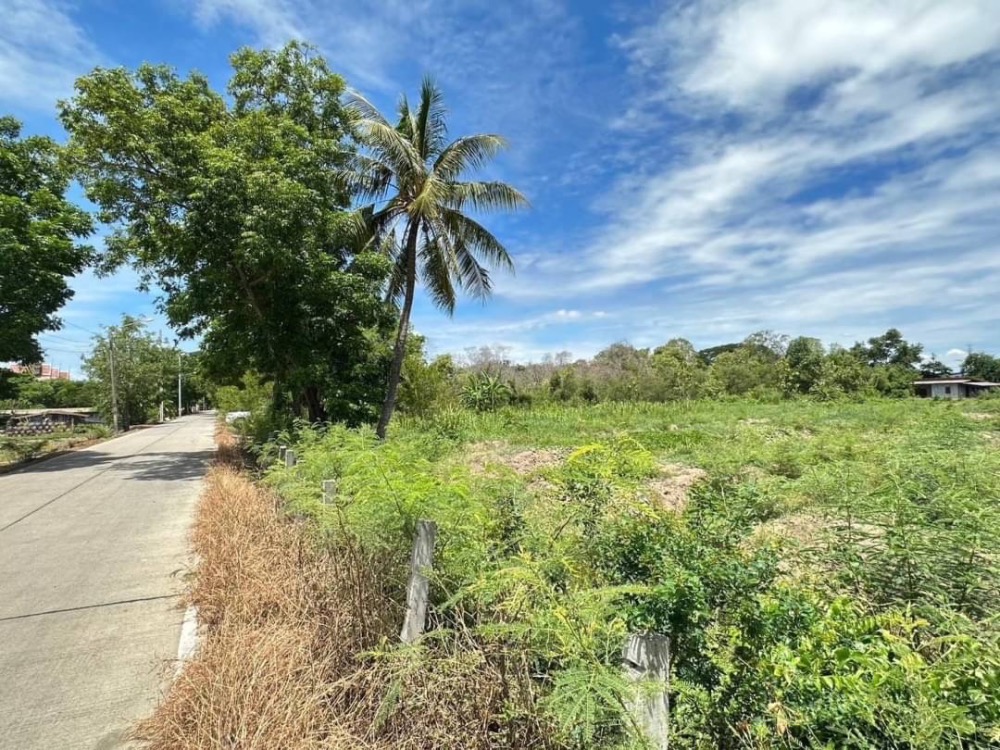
[(828, 573)]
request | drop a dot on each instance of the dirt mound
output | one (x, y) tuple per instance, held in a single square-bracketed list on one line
[(481, 456), (672, 488)]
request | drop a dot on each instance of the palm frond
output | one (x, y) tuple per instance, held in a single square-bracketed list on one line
[(437, 274), (397, 277), (390, 148), (356, 230), (430, 199), (466, 154), (460, 257), (366, 178), (477, 239), (405, 123), (359, 108), (430, 125), (486, 196), (383, 221)]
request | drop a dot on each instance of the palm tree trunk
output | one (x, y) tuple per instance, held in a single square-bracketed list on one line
[(399, 352)]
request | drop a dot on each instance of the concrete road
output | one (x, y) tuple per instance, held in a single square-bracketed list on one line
[(93, 550)]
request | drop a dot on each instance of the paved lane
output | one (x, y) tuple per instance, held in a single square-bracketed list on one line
[(93, 548)]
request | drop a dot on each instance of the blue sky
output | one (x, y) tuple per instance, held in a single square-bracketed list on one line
[(700, 169)]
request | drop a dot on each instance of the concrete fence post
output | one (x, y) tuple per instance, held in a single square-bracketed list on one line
[(329, 491), (281, 452), (421, 562), (290, 458), (646, 660)]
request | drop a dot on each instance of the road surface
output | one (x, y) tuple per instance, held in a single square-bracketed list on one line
[(93, 550)]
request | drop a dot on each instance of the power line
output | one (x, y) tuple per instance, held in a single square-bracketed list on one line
[(61, 338), (81, 352), (86, 330)]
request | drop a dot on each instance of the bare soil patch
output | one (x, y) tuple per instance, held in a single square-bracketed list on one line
[(481, 456), (671, 489)]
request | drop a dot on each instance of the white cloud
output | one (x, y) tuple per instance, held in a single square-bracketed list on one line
[(489, 56), (752, 53), (800, 163), (363, 41), (42, 51)]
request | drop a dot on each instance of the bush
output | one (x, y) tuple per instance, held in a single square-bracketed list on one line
[(486, 392)]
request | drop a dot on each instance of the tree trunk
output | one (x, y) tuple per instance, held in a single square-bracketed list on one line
[(399, 352), (317, 413)]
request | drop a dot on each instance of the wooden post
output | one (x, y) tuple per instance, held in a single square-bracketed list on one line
[(646, 659), (416, 593), (290, 459), (329, 491)]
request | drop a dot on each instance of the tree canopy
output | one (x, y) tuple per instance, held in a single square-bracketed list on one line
[(235, 208), (981, 365), (39, 233), (889, 349)]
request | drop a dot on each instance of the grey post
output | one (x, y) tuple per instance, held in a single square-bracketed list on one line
[(290, 459), (646, 659), (329, 491), (421, 561), (281, 452)]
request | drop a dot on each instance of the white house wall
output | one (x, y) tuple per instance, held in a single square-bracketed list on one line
[(938, 391)]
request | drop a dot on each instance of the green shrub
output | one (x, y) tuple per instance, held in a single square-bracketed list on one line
[(484, 391)]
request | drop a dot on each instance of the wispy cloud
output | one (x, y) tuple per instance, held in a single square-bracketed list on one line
[(506, 64), (42, 50), (800, 161)]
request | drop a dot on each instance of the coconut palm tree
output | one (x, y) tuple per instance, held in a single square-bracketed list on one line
[(421, 204)]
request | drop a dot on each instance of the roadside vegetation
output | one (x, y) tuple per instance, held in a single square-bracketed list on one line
[(16, 449)]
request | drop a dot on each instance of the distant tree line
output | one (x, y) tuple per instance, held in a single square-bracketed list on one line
[(25, 391), (764, 366)]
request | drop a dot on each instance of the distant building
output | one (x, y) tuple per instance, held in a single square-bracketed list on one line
[(952, 387), (41, 372)]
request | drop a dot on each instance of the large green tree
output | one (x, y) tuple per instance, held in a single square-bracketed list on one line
[(889, 349), (983, 366), (679, 370), (422, 209), (805, 356), (234, 207), (39, 233)]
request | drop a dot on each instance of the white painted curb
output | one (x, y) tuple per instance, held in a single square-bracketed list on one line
[(188, 643)]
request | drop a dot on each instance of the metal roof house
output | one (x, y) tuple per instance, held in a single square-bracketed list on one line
[(952, 387)]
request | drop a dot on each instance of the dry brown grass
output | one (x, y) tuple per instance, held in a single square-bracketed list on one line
[(298, 646)]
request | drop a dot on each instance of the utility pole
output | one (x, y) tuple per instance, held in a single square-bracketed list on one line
[(114, 383), (159, 352), (179, 374)]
